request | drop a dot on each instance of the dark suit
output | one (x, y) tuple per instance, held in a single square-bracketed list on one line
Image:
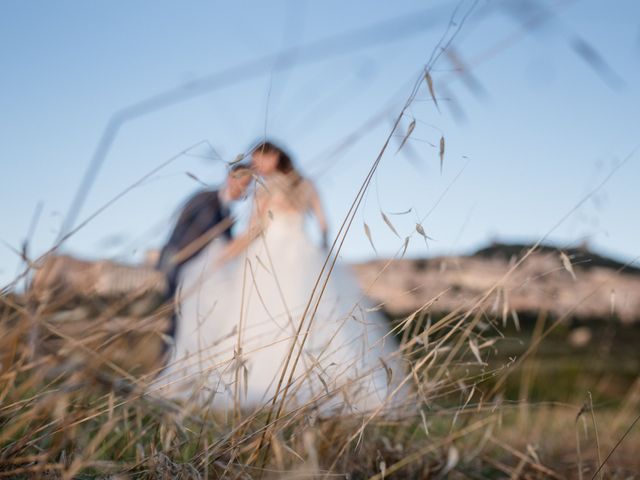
[(201, 213)]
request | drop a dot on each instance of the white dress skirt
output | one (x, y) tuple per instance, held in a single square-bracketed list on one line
[(190, 368), (239, 329)]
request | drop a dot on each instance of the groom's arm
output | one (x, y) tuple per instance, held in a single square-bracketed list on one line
[(182, 230)]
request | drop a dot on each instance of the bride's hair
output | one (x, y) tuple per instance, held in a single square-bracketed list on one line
[(285, 164)]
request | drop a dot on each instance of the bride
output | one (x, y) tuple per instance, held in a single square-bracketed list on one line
[(268, 327)]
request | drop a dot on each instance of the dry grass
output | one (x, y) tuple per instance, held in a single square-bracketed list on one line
[(73, 405)]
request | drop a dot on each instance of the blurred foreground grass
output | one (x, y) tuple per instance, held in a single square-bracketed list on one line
[(78, 409)]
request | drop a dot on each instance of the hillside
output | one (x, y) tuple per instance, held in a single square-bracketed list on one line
[(576, 282), (598, 287)]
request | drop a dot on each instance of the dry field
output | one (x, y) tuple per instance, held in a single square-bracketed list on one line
[(74, 405)]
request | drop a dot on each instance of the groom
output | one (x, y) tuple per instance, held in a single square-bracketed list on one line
[(205, 217)]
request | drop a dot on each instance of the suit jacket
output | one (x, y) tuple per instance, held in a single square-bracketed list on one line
[(202, 212)]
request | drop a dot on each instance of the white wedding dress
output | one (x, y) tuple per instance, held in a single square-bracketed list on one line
[(237, 329)]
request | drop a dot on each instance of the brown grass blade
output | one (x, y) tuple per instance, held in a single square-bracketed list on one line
[(367, 232), (429, 80), (387, 370), (410, 129), (404, 248), (389, 224), (566, 263), (476, 351), (423, 234), (401, 213)]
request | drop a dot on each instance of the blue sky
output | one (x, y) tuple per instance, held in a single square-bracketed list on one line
[(539, 128)]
